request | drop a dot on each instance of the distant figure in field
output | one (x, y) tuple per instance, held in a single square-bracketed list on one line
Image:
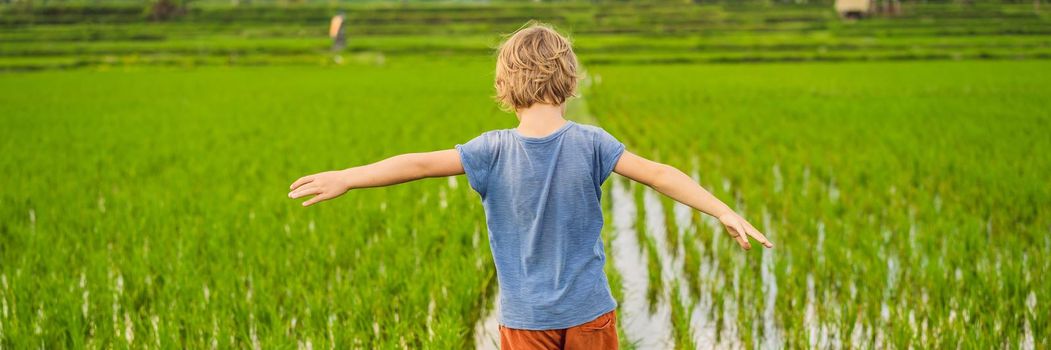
[(540, 185), (335, 31)]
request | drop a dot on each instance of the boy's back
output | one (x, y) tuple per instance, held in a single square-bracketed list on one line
[(542, 203)]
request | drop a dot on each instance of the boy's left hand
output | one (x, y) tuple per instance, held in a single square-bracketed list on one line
[(324, 186), (740, 229)]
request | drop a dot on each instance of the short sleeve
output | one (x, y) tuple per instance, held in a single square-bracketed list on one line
[(609, 150), (477, 156)]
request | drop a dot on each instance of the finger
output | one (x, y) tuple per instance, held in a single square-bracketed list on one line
[(742, 237), (316, 199), (302, 181), (758, 235), (306, 191)]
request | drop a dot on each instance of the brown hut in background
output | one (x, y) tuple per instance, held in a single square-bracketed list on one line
[(855, 9)]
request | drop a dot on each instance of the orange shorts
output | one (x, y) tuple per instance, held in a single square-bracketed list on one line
[(600, 333)]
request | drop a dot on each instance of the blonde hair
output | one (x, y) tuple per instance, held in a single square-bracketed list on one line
[(536, 64)]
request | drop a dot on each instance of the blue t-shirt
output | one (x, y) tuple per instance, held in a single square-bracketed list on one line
[(542, 206)]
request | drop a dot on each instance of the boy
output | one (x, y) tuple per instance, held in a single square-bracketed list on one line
[(540, 185)]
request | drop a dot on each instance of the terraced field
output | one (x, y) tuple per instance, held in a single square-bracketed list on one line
[(900, 164), (71, 34)]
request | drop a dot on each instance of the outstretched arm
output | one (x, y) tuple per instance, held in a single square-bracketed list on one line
[(674, 183), (390, 171)]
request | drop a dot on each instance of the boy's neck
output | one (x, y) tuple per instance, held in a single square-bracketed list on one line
[(540, 120)]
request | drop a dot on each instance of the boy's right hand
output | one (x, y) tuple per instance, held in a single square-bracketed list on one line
[(390, 171), (324, 186)]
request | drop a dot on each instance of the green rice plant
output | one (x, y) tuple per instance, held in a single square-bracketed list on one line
[(908, 200), (148, 208)]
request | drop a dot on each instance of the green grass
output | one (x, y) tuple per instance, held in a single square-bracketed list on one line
[(145, 189), (936, 170), (159, 197)]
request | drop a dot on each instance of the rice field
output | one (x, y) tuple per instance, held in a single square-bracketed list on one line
[(909, 209), (900, 165), (144, 214)]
